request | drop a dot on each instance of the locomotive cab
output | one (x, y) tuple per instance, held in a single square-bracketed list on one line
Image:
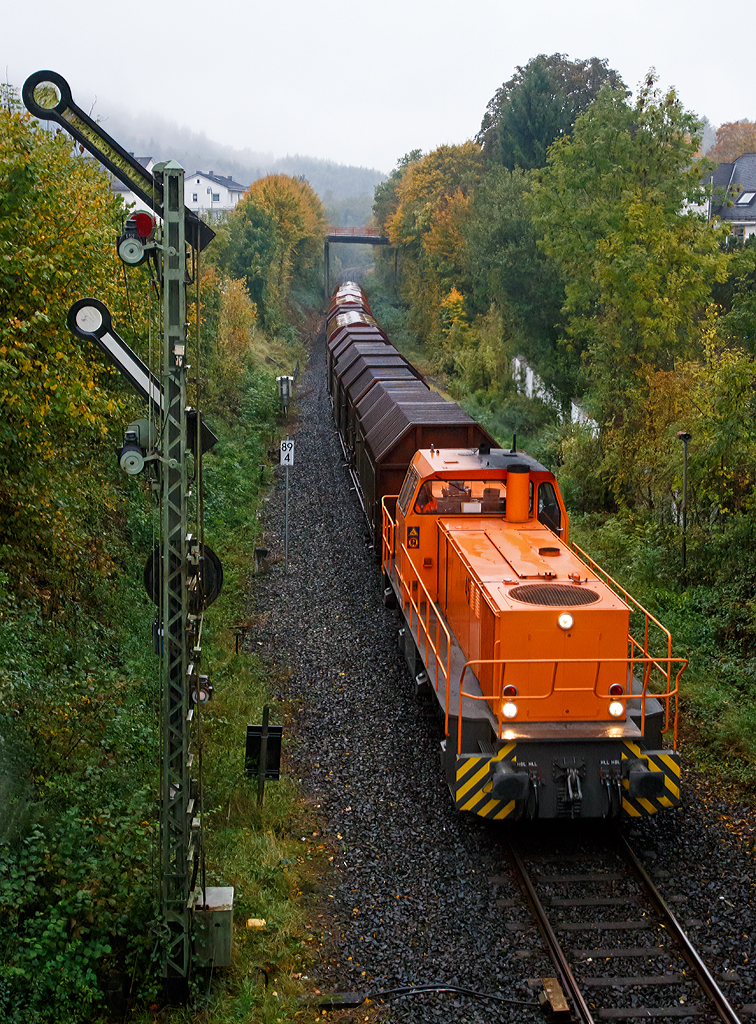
[(473, 485)]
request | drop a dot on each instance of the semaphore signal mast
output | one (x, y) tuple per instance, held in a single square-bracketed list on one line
[(182, 576)]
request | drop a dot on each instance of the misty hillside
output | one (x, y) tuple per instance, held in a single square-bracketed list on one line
[(162, 140)]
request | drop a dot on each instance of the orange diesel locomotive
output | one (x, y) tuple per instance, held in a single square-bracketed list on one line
[(557, 689)]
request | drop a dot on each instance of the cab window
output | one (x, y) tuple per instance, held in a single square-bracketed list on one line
[(461, 497), (549, 512), (408, 487)]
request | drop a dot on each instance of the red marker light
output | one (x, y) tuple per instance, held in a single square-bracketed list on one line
[(144, 224)]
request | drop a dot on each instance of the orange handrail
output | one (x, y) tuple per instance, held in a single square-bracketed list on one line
[(389, 563), (624, 698), (388, 535), (407, 599), (635, 605)]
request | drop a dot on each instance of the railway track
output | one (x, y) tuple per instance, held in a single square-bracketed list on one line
[(618, 950)]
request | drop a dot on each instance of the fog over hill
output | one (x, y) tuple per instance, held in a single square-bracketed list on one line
[(163, 140)]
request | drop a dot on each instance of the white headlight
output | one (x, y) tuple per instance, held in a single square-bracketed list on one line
[(509, 710), (565, 621), (616, 710)]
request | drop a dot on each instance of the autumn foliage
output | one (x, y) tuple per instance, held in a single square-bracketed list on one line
[(276, 233), (599, 267), (58, 218), (78, 828), (734, 138)]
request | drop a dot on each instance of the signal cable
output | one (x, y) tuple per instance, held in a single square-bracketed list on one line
[(339, 1000)]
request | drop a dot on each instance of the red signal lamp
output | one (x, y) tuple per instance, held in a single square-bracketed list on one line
[(143, 224), (134, 244)]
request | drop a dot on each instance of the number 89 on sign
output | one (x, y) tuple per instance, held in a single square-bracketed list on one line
[(287, 453)]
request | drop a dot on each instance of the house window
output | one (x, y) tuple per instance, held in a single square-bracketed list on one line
[(198, 181), (744, 198), (194, 197), (216, 197)]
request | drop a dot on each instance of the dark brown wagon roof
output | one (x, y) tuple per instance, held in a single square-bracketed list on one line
[(340, 343), (371, 375), (367, 350), (387, 385), (389, 400), (350, 318), (366, 345), (386, 360), (402, 418)]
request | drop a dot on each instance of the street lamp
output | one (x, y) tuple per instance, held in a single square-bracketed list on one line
[(684, 436)]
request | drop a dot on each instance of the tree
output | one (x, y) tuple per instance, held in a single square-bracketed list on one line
[(444, 177), (734, 138), (298, 216), (58, 219), (507, 269), (251, 250), (276, 231), (385, 202), (432, 203), (386, 198), (616, 208), (538, 105)]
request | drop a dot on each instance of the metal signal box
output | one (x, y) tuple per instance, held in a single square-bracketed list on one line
[(214, 926)]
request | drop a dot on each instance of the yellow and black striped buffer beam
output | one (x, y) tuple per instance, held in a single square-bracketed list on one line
[(666, 761), (472, 788)]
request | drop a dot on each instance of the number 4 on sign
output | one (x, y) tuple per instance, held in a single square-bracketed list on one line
[(287, 453)]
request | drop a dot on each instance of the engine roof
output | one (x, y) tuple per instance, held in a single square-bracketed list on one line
[(466, 460)]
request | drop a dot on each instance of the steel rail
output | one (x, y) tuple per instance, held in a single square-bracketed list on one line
[(687, 950), (566, 977)]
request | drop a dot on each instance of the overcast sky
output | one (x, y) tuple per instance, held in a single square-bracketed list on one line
[(363, 83)]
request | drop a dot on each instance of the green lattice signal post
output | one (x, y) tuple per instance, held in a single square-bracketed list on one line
[(179, 829)]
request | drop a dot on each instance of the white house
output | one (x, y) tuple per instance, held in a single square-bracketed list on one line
[(734, 199), (211, 193), (530, 384), (204, 193)]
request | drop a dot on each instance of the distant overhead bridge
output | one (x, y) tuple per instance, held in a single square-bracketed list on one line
[(361, 235), (358, 236)]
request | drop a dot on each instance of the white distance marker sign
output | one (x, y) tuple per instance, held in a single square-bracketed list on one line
[(287, 453)]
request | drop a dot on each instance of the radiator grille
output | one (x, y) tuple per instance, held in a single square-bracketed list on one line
[(553, 594)]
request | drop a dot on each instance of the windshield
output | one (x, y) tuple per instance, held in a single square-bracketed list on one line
[(549, 512), (460, 497)]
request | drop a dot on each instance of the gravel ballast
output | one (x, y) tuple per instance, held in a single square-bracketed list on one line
[(418, 893)]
